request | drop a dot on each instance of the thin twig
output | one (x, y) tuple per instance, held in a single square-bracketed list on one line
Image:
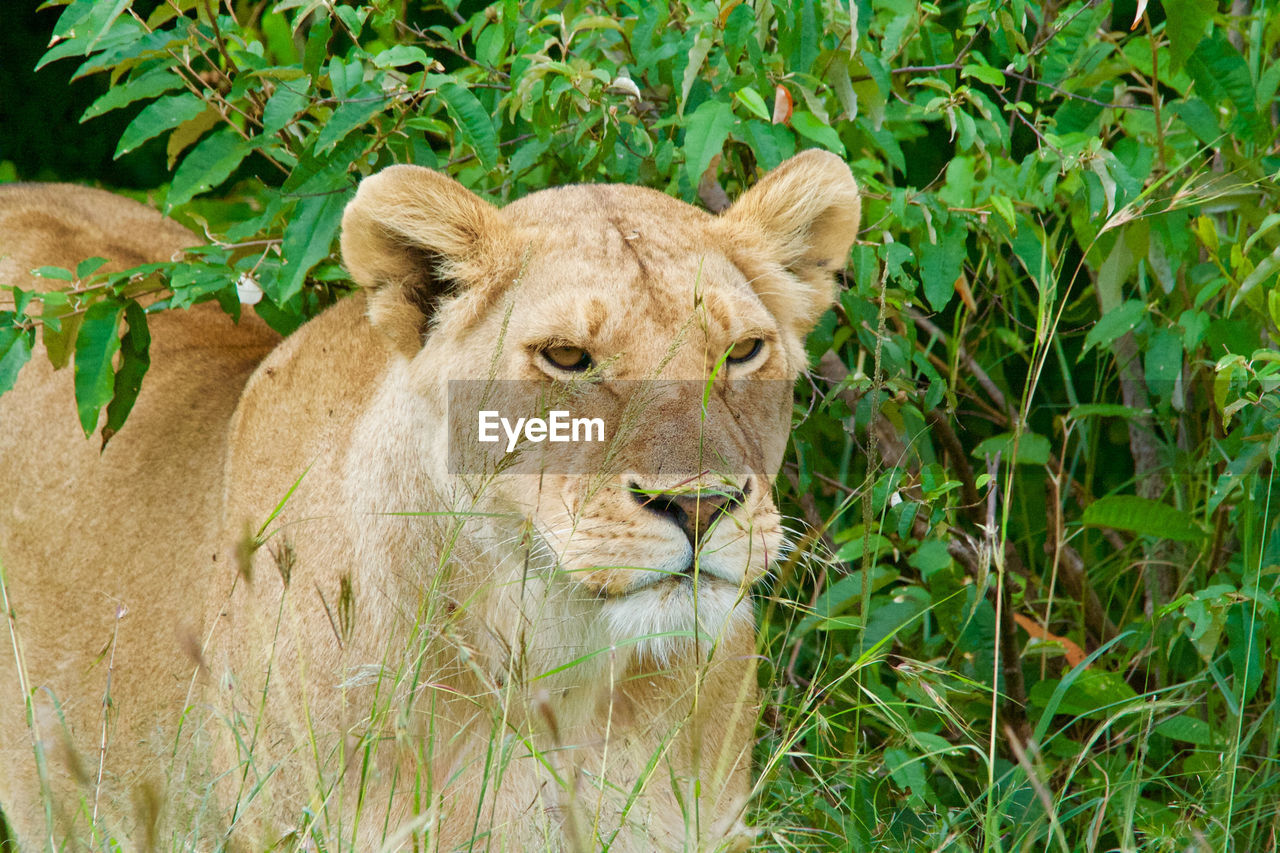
[(1074, 95), (121, 612), (970, 364)]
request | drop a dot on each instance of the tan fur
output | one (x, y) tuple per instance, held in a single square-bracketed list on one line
[(354, 630)]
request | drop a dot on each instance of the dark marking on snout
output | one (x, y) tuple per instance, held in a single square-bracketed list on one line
[(693, 512)]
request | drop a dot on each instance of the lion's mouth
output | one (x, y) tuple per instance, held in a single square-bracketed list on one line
[(691, 577), (688, 571)]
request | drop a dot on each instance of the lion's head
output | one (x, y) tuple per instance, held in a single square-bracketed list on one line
[(685, 329)]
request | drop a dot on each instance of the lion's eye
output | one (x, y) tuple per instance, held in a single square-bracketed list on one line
[(745, 350), (568, 358)]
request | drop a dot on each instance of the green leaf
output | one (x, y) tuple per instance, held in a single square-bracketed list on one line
[(1243, 466), (473, 121), (1199, 118), (1102, 410), (1142, 516), (705, 133), (191, 282), (210, 163), (189, 133), (15, 351), (985, 73), (149, 85), (852, 551), (1033, 449), (126, 44), (1188, 730), (58, 273), (317, 47), (909, 772), (76, 13), (1186, 23), (738, 28), (61, 50), (289, 99), (771, 143), (58, 328), (752, 100), (842, 595), (807, 39), (402, 54), (1266, 268), (96, 345), (349, 116), (340, 80), (892, 616), (156, 118), (811, 127), (308, 240), (1245, 644), (1163, 362), (1093, 693), (940, 266), (697, 55), (1057, 688), (104, 15), (88, 267), (353, 18), (135, 360), (1114, 324), (1221, 73), (931, 557), (490, 46)]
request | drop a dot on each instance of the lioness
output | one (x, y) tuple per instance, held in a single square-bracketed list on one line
[(277, 607)]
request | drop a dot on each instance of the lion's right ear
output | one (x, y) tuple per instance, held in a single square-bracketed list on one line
[(412, 236), (801, 218)]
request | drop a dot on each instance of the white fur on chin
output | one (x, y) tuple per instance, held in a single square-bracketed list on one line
[(666, 618)]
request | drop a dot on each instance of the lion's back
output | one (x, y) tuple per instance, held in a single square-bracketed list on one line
[(63, 224), (96, 543)]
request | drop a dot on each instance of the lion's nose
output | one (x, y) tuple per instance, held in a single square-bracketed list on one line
[(694, 512)]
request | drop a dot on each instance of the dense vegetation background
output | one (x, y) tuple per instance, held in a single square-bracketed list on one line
[(1036, 456)]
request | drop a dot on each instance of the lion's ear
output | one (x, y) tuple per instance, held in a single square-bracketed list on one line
[(803, 217), (412, 236)]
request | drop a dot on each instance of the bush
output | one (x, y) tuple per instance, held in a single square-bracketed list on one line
[(1048, 615)]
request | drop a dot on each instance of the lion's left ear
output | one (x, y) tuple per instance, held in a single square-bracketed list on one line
[(411, 237), (802, 217)]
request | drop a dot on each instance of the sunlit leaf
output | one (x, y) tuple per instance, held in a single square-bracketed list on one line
[(808, 125), (708, 128), (751, 99)]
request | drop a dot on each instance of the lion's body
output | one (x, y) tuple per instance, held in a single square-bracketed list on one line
[(75, 521), (282, 586)]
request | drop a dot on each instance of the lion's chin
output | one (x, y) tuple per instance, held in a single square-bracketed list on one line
[(665, 620)]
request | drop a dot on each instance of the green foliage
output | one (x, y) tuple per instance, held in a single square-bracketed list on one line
[(1085, 209)]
